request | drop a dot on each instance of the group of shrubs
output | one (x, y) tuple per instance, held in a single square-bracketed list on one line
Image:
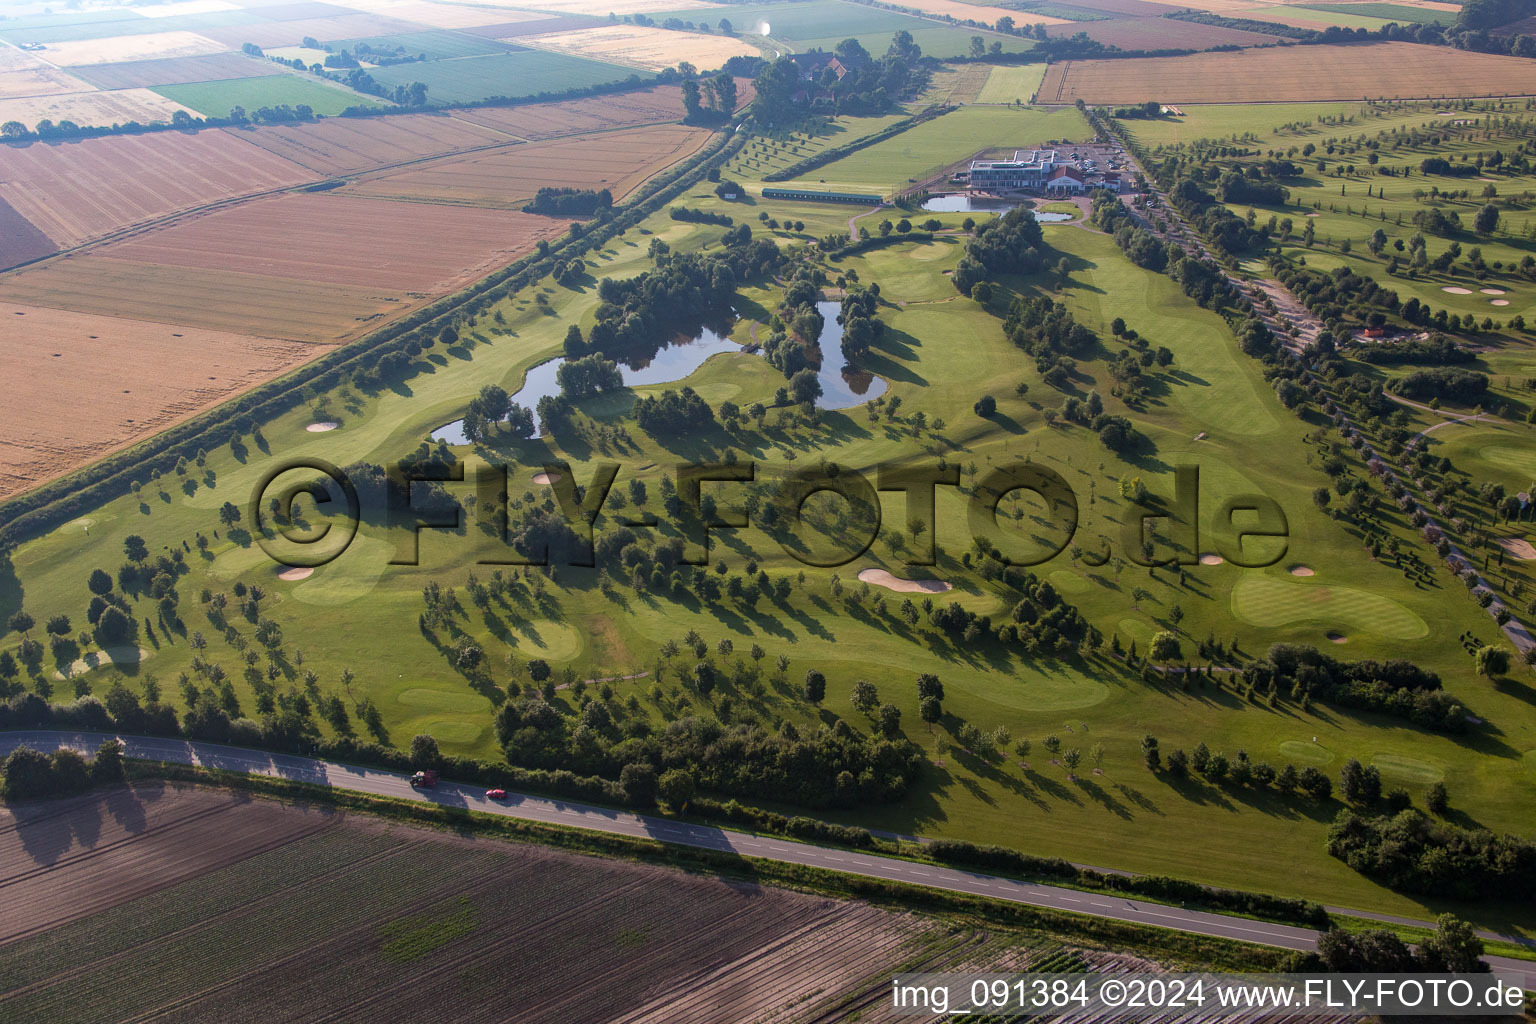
[(1159, 887)]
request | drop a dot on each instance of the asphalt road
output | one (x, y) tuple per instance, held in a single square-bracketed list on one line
[(602, 819)]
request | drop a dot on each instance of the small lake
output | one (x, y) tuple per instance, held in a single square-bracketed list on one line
[(977, 204), (841, 387)]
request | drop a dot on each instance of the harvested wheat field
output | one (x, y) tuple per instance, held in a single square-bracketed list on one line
[(77, 191), (643, 47), (92, 108), (450, 16), (290, 898), (291, 33), (146, 74), (572, 117), (14, 58), (85, 385), (506, 178), (211, 299), (966, 11), (20, 239), (340, 145), (620, 7), (1298, 73), (407, 249), (40, 81), (150, 45)]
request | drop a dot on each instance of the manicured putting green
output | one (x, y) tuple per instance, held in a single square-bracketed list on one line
[(447, 701), (1304, 752), (1407, 769), (1069, 582), (1049, 693), (1135, 629), (1278, 603)]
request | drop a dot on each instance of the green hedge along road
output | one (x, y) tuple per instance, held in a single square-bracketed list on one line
[(642, 826)]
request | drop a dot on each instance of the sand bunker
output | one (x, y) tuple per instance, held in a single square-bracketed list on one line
[(545, 478), (1455, 290), (116, 655), (322, 427), (1337, 638), (883, 578), (1492, 291), (295, 573), (1517, 547), (1301, 570), (1210, 559), (1498, 302)]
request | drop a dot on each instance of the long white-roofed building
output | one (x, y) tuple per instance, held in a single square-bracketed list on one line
[(1028, 169)]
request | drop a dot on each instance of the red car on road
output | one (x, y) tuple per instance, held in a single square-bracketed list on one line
[(495, 794)]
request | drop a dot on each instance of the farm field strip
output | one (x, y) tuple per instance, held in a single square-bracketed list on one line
[(619, 161), (246, 303), (142, 848), (644, 47), (91, 107), (154, 45), (76, 191), (325, 29), (126, 377), (1306, 73), (38, 81), (338, 240), (146, 74), (307, 924), (523, 73), (338, 146), (217, 99)]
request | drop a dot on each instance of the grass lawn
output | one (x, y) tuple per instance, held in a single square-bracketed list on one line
[(1012, 83), (1400, 13), (1234, 120), (515, 75), (1314, 17), (908, 157), (825, 23), (217, 99)]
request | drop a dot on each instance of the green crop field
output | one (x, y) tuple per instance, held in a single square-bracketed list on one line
[(910, 156), (822, 24), (1012, 84), (518, 74), (1400, 13), (1314, 18), (217, 99)]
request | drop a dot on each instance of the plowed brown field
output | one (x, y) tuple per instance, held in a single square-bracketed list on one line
[(506, 178), (76, 191), (262, 907), (82, 386)]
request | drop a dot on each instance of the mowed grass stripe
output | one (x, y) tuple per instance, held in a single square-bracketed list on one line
[(1278, 603), (217, 99)]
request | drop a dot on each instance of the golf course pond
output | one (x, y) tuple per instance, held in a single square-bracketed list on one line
[(842, 386)]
